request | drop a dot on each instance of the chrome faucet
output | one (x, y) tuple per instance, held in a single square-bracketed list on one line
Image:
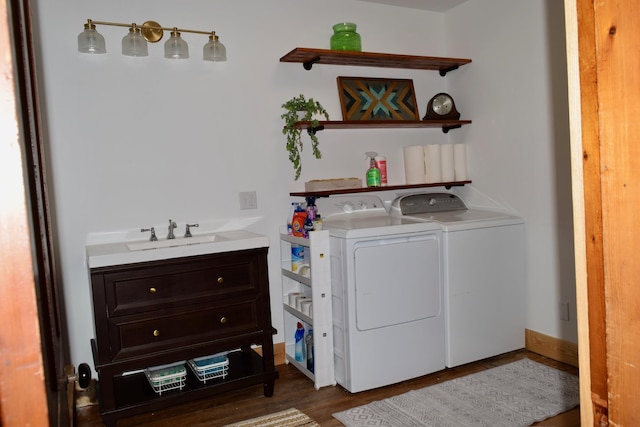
[(172, 225), (153, 237), (187, 232)]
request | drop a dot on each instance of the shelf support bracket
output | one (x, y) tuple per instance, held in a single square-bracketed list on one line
[(444, 71), (307, 65), (446, 129), (312, 130)]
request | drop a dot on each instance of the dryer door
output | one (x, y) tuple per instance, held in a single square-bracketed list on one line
[(397, 280)]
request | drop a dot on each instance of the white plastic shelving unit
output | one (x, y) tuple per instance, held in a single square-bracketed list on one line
[(318, 287)]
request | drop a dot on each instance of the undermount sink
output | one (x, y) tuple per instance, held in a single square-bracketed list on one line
[(168, 243)]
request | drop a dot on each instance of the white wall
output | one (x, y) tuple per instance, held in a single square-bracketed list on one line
[(516, 90), (136, 141)]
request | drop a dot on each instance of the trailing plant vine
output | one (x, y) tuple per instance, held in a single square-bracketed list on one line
[(299, 109)]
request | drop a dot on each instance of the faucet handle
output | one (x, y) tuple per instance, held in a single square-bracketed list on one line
[(153, 237), (187, 232), (172, 225)]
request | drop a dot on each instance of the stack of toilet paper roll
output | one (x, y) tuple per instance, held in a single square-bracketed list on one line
[(433, 163), (301, 302)]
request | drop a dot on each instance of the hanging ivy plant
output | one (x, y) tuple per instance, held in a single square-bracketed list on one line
[(301, 109)]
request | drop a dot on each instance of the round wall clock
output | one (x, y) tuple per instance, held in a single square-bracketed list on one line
[(441, 107)]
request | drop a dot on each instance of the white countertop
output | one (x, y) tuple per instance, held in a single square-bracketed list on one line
[(118, 253)]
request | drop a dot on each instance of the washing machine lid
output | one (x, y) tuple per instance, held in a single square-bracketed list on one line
[(449, 211), (470, 218), (374, 224), (364, 215)]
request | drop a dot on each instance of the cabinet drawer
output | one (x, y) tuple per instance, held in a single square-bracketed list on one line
[(165, 286), (137, 335)]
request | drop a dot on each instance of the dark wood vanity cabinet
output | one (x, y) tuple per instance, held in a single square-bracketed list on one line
[(160, 312)]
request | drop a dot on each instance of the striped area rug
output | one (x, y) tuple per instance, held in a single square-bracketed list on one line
[(287, 418), (513, 395)]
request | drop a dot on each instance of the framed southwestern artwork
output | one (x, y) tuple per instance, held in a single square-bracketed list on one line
[(364, 98)]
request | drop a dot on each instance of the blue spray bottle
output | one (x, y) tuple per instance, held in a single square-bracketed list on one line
[(300, 344)]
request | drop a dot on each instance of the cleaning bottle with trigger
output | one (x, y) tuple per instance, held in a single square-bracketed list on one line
[(373, 173), (299, 343)]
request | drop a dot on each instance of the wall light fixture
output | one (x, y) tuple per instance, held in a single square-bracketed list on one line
[(135, 42)]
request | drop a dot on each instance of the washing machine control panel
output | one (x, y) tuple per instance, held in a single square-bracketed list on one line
[(427, 203), (348, 204)]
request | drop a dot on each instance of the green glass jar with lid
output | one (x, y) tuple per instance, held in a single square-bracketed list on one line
[(345, 37)]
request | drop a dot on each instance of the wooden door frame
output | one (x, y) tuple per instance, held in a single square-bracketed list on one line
[(587, 131), (34, 389), (602, 49), (23, 395)]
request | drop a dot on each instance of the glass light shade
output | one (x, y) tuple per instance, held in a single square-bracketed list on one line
[(214, 50), (175, 47), (133, 44), (91, 41)]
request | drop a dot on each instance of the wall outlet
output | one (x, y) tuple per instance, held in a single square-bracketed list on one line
[(248, 200), (564, 311)]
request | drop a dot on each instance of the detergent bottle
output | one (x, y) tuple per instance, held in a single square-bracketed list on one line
[(290, 218), (297, 223)]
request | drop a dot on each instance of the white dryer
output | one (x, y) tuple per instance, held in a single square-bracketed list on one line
[(484, 258), (387, 288)]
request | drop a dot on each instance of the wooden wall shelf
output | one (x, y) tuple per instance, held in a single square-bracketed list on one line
[(446, 125), (327, 193), (308, 57)]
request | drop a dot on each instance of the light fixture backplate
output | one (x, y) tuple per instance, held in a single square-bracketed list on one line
[(152, 31)]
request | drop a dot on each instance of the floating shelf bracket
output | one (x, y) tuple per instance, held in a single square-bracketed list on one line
[(446, 129), (307, 65), (446, 70), (313, 130)]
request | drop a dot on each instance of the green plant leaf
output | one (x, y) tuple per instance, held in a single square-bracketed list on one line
[(294, 146)]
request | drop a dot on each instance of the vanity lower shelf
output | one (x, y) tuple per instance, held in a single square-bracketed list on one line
[(133, 391)]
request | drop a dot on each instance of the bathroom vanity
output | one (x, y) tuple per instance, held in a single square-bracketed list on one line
[(162, 305)]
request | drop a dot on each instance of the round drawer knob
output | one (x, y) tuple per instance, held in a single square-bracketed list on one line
[(223, 320), (156, 333), (152, 290), (220, 280)]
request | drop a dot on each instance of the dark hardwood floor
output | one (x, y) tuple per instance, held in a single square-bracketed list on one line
[(293, 389)]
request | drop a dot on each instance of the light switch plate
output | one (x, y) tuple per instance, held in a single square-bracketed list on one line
[(248, 200)]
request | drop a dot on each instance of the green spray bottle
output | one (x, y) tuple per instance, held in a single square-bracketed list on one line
[(373, 173)]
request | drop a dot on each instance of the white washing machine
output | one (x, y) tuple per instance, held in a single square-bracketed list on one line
[(387, 288), (484, 258)]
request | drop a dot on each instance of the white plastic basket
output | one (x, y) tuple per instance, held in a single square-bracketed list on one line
[(210, 367), (167, 377)]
